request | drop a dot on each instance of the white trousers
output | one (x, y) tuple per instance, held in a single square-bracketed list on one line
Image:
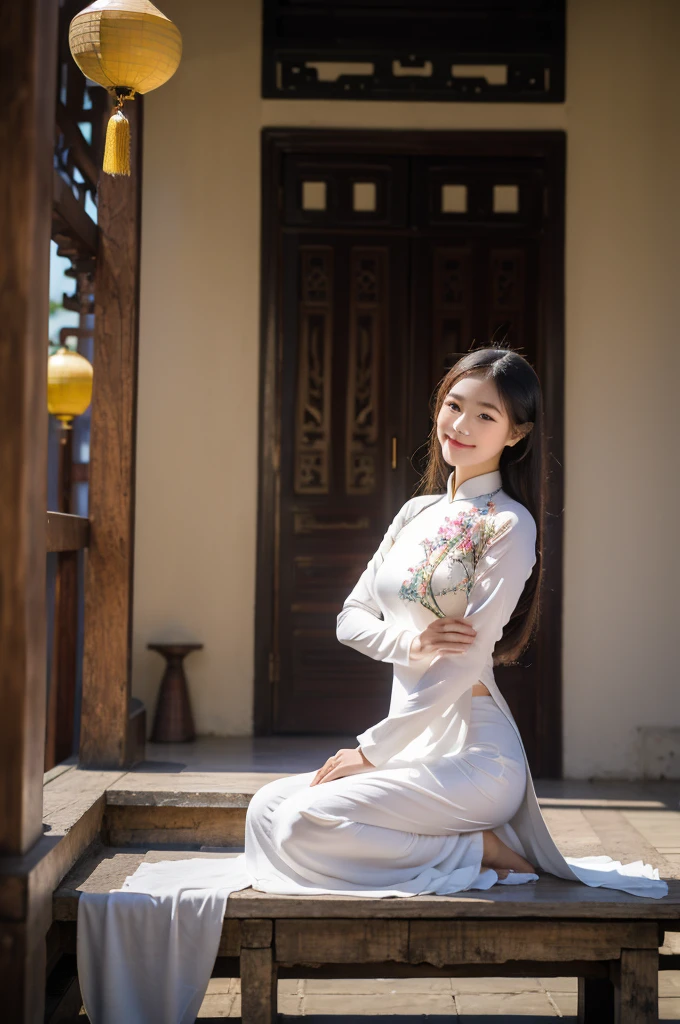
[(391, 831)]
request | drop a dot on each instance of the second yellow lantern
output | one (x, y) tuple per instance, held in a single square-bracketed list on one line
[(69, 385)]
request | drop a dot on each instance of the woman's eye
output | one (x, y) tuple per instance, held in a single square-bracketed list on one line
[(452, 404)]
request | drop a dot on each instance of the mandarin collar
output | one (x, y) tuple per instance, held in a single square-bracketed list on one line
[(476, 485)]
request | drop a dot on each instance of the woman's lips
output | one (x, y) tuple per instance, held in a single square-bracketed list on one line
[(457, 444)]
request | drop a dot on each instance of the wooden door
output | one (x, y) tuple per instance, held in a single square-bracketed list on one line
[(343, 348), (475, 276), (385, 264)]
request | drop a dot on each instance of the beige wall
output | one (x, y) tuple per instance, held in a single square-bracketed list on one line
[(198, 375)]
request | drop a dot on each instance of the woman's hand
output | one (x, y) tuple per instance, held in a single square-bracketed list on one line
[(345, 762), (450, 635)]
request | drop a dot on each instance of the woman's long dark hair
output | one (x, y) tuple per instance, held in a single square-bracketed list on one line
[(521, 466)]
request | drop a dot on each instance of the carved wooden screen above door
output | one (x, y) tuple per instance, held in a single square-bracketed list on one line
[(386, 268)]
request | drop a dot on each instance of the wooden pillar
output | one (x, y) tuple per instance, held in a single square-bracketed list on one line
[(62, 689), (109, 560), (28, 50)]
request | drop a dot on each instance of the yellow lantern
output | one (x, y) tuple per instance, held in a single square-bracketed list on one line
[(69, 385), (129, 47)]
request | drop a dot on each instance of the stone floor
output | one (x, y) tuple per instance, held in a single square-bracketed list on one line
[(411, 1000), (471, 1000)]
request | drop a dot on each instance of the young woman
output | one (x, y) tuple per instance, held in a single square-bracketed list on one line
[(438, 796)]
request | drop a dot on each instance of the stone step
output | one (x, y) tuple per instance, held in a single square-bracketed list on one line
[(169, 803), (182, 809)]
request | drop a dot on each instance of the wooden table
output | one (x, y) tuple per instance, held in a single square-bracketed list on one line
[(552, 928)]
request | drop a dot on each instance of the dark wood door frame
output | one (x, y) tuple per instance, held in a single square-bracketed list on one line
[(548, 146)]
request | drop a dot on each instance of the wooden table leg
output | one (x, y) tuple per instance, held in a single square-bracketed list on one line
[(636, 987), (259, 976), (595, 1001)]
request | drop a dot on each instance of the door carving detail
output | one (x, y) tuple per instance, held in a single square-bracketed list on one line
[(365, 344), (312, 447)]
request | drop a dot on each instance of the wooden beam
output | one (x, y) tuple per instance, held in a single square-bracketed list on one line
[(67, 209), (28, 47), (77, 144), (104, 734), (67, 533)]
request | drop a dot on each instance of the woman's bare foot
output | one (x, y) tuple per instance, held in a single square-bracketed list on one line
[(501, 858)]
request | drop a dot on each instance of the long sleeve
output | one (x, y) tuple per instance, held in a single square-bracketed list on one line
[(502, 571), (360, 622)]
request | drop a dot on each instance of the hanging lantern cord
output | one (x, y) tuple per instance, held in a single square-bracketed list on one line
[(120, 96)]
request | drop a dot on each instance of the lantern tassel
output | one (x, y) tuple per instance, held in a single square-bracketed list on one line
[(117, 149)]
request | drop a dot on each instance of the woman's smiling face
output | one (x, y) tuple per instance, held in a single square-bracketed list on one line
[(473, 414)]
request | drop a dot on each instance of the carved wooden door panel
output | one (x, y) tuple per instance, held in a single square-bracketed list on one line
[(386, 268), (343, 368)]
